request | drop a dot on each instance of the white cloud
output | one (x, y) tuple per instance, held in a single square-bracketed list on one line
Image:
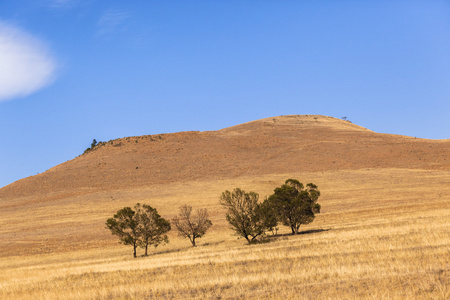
[(112, 20), (61, 4), (25, 64)]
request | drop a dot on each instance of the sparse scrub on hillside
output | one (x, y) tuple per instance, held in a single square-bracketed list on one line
[(192, 226), (94, 145), (140, 227)]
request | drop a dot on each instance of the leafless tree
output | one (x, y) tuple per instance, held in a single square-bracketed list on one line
[(190, 225)]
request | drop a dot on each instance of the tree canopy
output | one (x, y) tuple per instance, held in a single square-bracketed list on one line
[(152, 227), (244, 213), (125, 225), (294, 204), (191, 225), (142, 226)]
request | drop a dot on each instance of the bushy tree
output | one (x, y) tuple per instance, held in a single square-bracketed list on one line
[(140, 227), (125, 225), (269, 216), (294, 204), (190, 225), (152, 227), (244, 213)]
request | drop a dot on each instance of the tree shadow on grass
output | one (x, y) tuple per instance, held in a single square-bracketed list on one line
[(181, 249), (266, 239), (313, 231), (275, 237)]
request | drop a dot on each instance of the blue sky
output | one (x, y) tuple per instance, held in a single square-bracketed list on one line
[(75, 70)]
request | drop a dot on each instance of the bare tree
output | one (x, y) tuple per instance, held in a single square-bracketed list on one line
[(190, 225)]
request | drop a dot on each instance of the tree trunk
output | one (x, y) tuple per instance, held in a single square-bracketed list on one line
[(193, 241), (134, 249), (146, 246)]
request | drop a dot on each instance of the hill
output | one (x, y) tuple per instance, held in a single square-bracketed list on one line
[(382, 231), (270, 146)]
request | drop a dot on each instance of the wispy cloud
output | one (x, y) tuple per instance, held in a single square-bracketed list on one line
[(25, 64), (61, 4), (112, 20)]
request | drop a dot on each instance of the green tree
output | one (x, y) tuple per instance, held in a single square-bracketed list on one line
[(269, 216), (152, 228), (190, 225), (93, 144), (140, 227), (243, 213), (294, 204), (124, 224)]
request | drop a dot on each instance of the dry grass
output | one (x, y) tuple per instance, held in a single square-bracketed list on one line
[(383, 234)]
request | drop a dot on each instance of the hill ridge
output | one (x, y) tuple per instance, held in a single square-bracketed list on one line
[(301, 120), (267, 146)]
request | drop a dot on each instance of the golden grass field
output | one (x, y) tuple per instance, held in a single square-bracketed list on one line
[(382, 234), (383, 231)]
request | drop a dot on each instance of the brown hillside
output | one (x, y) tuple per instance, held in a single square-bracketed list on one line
[(279, 145), (382, 231)]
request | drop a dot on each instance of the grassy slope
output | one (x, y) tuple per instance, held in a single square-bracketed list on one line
[(383, 231)]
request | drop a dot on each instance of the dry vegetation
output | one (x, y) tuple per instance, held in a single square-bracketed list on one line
[(374, 240), (384, 233)]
